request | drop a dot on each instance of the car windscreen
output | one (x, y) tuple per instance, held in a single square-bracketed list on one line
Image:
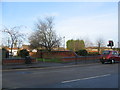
[(106, 52)]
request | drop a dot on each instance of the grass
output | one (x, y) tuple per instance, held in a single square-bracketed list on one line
[(56, 60)]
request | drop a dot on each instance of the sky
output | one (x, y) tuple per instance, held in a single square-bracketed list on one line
[(74, 20)]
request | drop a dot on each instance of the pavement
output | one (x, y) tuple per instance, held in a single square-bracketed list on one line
[(38, 65)]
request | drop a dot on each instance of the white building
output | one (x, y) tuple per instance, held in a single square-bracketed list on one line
[(14, 51)]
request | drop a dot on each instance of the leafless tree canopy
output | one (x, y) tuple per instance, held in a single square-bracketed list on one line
[(100, 43), (15, 36), (45, 36), (88, 42)]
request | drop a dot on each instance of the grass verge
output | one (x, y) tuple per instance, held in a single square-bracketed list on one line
[(56, 60)]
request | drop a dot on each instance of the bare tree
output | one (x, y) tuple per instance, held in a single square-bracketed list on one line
[(100, 43), (14, 35), (88, 42), (45, 36)]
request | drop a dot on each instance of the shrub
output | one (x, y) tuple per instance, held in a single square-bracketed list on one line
[(5, 53), (23, 53), (82, 52)]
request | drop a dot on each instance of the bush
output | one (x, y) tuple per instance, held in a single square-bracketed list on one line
[(23, 53), (82, 52), (5, 53)]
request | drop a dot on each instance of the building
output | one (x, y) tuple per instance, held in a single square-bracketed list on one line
[(14, 51), (95, 49)]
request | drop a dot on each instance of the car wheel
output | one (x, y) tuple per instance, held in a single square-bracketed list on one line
[(112, 61), (102, 62)]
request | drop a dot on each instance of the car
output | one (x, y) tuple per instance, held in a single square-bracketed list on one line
[(109, 56)]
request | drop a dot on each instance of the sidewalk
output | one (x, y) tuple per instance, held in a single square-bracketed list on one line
[(40, 64), (35, 65)]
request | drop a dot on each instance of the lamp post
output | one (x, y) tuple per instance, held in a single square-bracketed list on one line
[(118, 44), (64, 43)]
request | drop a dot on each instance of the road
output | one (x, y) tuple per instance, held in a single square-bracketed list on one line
[(74, 76)]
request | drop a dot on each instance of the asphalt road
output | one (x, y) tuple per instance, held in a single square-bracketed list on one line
[(76, 76)]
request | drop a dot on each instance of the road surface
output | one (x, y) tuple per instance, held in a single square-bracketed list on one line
[(74, 76)]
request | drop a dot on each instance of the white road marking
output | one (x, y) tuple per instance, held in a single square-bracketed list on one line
[(85, 78)]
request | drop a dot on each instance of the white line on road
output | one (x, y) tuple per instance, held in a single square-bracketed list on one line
[(85, 78)]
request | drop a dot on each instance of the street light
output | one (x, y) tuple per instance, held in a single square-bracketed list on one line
[(118, 44), (64, 43)]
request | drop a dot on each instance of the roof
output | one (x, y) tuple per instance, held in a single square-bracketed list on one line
[(96, 47), (12, 48)]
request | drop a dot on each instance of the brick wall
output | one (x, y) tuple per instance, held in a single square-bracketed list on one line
[(80, 58), (16, 61), (52, 54), (64, 56)]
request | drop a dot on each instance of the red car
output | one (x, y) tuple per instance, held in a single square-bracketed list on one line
[(109, 56)]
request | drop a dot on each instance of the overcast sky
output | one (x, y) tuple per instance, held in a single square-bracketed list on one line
[(74, 20)]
